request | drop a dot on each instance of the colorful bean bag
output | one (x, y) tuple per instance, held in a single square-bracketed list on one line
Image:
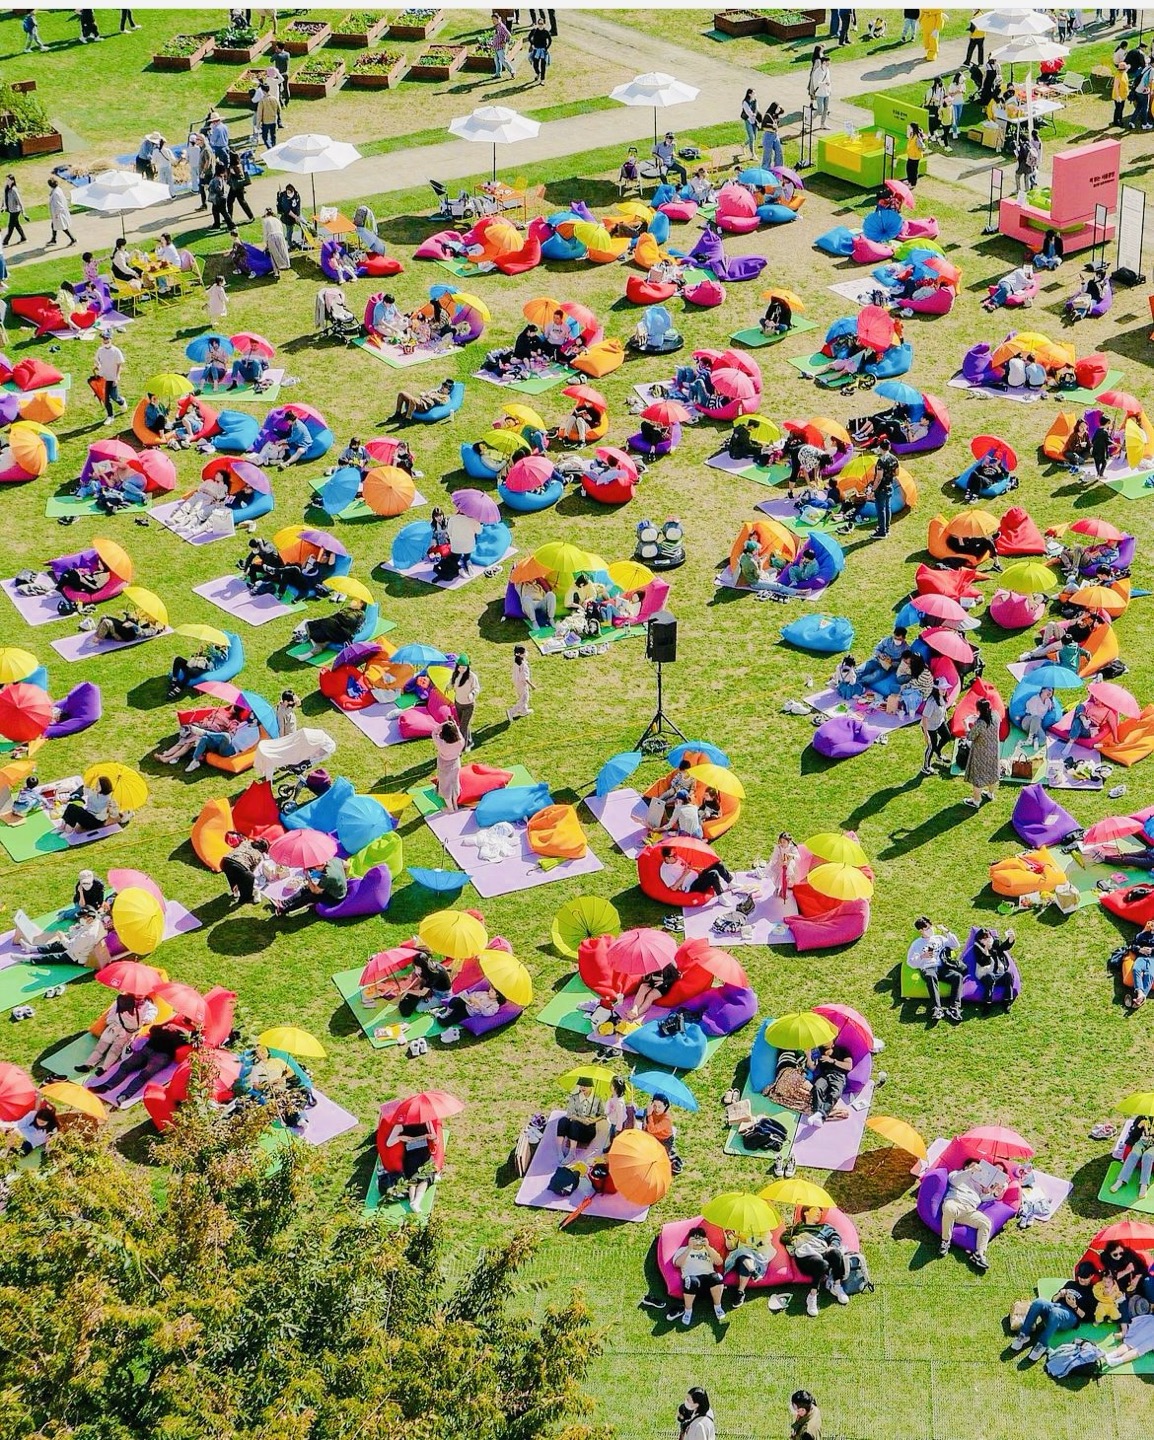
[(512, 803), (822, 634), (696, 853), (478, 780), (722, 1010), (35, 374), (236, 433), (42, 451), (1092, 369), (387, 850), (85, 560), (323, 811), (1135, 739), (600, 359), (1018, 535), (870, 252), (208, 832), (705, 294), (368, 894), (441, 246), (912, 984), (837, 242), (528, 502), (857, 1044), (556, 832), (843, 925), (442, 412), (1022, 693), (1134, 903), (1022, 874), (987, 492), (976, 364), (931, 1197), (1040, 820), (772, 212), (79, 709), (1020, 298), (683, 1051), (679, 211), (967, 707), (729, 806), (1016, 612), (596, 972), (638, 443), (782, 1267), (44, 313), (1102, 644), (842, 736)]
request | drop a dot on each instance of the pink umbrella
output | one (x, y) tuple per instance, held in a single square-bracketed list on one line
[(641, 951), (324, 541), (901, 192), (382, 449), (995, 1142), (303, 849), (186, 1002), (1116, 698), (613, 456), (735, 200), (135, 880), (386, 963), (476, 506), (849, 1022), (735, 384), (720, 963), (245, 340), (529, 473), (940, 607), (1114, 827), (948, 643), (110, 450)]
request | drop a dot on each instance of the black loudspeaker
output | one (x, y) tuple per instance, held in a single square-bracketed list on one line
[(661, 638)]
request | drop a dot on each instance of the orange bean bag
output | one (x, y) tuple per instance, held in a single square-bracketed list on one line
[(617, 248), (209, 830), (646, 292), (730, 806), (936, 544), (556, 832), (1103, 646), (592, 435), (1021, 874), (1054, 445), (772, 538), (600, 359), (1135, 739)]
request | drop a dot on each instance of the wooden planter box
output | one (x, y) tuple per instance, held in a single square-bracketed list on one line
[(817, 16), (22, 87), (242, 87), (481, 63), (739, 22), (385, 80), (316, 89), (50, 144), (422, 30), (299, 43), (245, 55), (359, 39), (799, 30), (432, 71), (185, 62)]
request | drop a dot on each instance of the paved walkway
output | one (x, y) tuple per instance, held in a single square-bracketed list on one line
[(721, 85)]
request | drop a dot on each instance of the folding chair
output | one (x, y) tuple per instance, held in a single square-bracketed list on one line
[(126, 296)]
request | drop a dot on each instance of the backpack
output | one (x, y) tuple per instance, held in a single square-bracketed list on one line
[(765, 1133), (672, 1024), (1075, 1357), (564, 1180), (857, 1280)]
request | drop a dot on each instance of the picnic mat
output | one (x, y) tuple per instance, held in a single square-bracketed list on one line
[(534, 1188), (378, 723), (1135, 486), (397, 1212), (996, 392), (462, 268), (62, 1062), (553, 375), (245, 393), (1127, 1197), (34, 609), (787, 512), (230, 594), (392, 356), (764, 925), (1051, 777), (571, 1006), (372, 1018), (1047, 1288), (753, 337), (27, 979), (323, 1121), (761, 1105), (428, 802), (862, 291), (422, 571), (615, 814), (523, 871), (1081, 396), (749, 469), (83, 645), (358, 510), (810, 365), (35, 837), (829, 702), (325, 657), (60, 505), (1085, 877), (554, 642), (164, 514)]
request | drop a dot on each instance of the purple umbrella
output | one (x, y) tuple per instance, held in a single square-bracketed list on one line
[(356, 653), (252, 475), (788, 176), (9, 408), (476, 506), (324, 541)]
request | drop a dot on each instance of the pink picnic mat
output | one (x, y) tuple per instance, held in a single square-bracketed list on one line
[(231, 594), (501, 877), (381, 723), (423, 571), (535, 1190), (164, 513), (835, 1144), (84, 645), (34, 609), (829, 702), (617, 813), (763, 923)]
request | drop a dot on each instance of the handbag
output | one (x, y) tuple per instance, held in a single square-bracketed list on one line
[(1018, 1315)]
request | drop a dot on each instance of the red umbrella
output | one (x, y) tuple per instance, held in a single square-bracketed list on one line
[(983, 445), (302, 849), (1136, 1233), (875, 328), (17, 1091), (25, 711), (386, 963), (586, 395), (1116, 698), (1114, 827), (641, 951), (902, 192), (936, 408), (735, 384), (222, 1076), (940, 607), (157, 469), (1119, 400), (186, 1002), (581, 315), (428, 1106), (245, 340), (666, 412), (529, 473), (948, 643), (619, 458), (995, 1142), (720, 963), (1096, 527), (130, 977)]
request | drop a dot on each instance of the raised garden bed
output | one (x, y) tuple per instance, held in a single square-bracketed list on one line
[(317, 78), (479, 55), (415, 24), (739, 22), (184, 52), (359, 30), (440, 62), (302, 37), (790, 25), (239, 46), (377, 70), (50, 143), (241, 89), (25, 128)]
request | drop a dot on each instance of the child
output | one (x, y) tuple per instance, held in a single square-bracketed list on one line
[(1107, 1294), (216, 300), (27, 799), (286, 713), (844, 679), (522, 685), (617, 1110)]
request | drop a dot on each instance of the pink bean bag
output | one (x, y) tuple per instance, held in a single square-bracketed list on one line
[(706, 293), (436, 247), (738, 224), (941, 302), (417, 724), (1016, 612), (782, 1268), (923, 228), (870, 252), (679, 210), (843, 925)]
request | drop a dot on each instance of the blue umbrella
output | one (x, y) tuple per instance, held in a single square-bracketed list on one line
[(713, 753), (340, 489), (826, 547), (197, 350), (882, 225), (763, 179), (265, 714), (1053, 677), (902, 394), (561, 217), (435, 291), (360, 821), (677, 1092), (845, 325), (440, 882), (419, 655), (614, 771)]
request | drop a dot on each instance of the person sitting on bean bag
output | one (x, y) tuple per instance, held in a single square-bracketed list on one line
[(990, 470), (678, 876), (1017, 282), (992, 964)]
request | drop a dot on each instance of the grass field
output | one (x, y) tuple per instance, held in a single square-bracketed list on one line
[(925, 1355)]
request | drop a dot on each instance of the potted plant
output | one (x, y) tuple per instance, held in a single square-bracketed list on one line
[(416, 24), (438, 62), (240, 44), (240, 91), (790, 24), (359, 30), (739, 22), (479, 54), (302, 37), (25, 128), (378, 70), (183, 52), (319, 76)]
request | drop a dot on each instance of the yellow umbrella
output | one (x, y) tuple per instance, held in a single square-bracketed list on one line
[(630, 574), (26, 441), (351, 589), (206, 634), (797, 1192), (635, 207), (138, 917), (128, 788), (724, 781), (601, 1077), (169, 387), (46, 406), (540, 310), (15, 772), (15, 664), (114, 556), (742, 1214), (1029, 577), (524, 415), (287, 535), (454, 934), (506, 974), (507, 442), (1141, 1102), (1135, 439), (462, 297), (800, 1030), (75, 1097), (151, 606), (761, 428), (899, 1133), (841, 882), (293, 1041), (789, 297), (592, 235), (831, 845)]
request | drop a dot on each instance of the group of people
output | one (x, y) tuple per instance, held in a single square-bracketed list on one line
[(938, 956)]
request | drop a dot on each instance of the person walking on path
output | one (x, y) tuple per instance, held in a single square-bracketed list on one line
[(885, 477), (523, 685), (108, 364), (909, 25), (771, 152), (501, 39), (32, 31), (236, 178), (982, 768), (59, 213), (540, 42), (127, 21), (819, 85), (750, 119), (280, 61), (975, 44), (464, 689), (268, 112), (14, 208)]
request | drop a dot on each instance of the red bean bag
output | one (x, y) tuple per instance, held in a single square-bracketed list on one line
[(33, 374), (694, 980), (1134, 903), (696, 852), (967, 708), (377, 265), (255, 811), (45, 314), (594, 968), (958, 584), (478, 780), (644, 292), (437, 247), (1018, 535), (1091, 370)]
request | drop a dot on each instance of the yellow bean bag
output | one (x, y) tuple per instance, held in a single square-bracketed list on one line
[(600, 359), (1135, 739), (1103, 646), (1054, 445), (209, 830), (1021, 874), (647, 252), (617, 248), (556, 833)]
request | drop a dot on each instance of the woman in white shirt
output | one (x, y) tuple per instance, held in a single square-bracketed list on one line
[(464, 687)]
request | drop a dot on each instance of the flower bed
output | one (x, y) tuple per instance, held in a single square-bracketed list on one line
[(240, 91), (239, 45), (790, 25), (439, 62), (183, 52), (359, 30), (317, 78), (377, 70), (302, 37), (739, 22), (416, 24), (479, 55)]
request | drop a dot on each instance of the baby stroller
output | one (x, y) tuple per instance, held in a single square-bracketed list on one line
[(449, 207), (332, 316), (288, 762)]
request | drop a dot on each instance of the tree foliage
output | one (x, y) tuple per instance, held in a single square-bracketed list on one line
[(227, 1301)]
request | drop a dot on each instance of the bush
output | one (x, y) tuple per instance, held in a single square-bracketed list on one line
[(21, 116), (359, 23)]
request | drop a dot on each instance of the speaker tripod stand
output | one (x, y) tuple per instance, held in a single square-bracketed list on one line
[(660, 732)]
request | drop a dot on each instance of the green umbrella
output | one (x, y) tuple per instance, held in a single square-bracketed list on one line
[(801, 1030), (742, 1214), (582, 919)]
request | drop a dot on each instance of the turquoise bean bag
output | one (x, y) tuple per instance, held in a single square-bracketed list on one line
[(684, 1051), (513, 803), (527, 502), (821, 634)]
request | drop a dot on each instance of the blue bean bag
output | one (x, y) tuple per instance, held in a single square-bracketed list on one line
[(527, 502), (558, 248), (442, 412), (368, 894), (988, 492), (842, 736), (369, 624), (684, 1051), (323, 812), (513, 803), (896, 361), (232, 664), (1017, 706), (838, 241), (476, 466), (659, 227), (259, 262), (260, 505), (491, 544), (908, 617), (236, 432), (773, 214), (822, 634), (341, 566), (1039, 819), (762, 1061)]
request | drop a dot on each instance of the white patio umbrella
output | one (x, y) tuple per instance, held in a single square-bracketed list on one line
[(116, 191), (311, 155), (1014, 21), (656, 89), (1031, 50), (494, 125)]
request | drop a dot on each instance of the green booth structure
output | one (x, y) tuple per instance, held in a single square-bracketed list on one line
[(860, 159)]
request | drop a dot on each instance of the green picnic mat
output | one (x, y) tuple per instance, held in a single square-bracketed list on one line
[(460, 267), (1144, 1365), (759, 474), (760, 1105), (299, 652), (62, 1061), (810, 365), (246, 393), (538, 384), (372, 1017), (396, 1212), (35, 837), (1127, 1197), (754, 338), (26, 979), (58, 505), (11, 388), (428, 803), (610, 634), (1082, 397), (561, 1013), (1084, 878), (1133, 487)]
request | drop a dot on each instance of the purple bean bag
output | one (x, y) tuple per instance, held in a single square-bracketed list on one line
[(912, 985), (842, 736), (842, 925), (478, 1025), (931, 1196), (976, 363), (642, 446), (1039, 819), (723, 1009), (684, 1051), (741, 267), (1126, 548), (79, 709), (258, 260), (368, 894)]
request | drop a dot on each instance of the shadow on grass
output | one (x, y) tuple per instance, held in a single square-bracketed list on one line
[(249, 936), (1088, 1180), (879, 1178), (902, 841), (364, 1164)]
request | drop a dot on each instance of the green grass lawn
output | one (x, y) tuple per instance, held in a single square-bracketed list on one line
[(922, 1357)]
